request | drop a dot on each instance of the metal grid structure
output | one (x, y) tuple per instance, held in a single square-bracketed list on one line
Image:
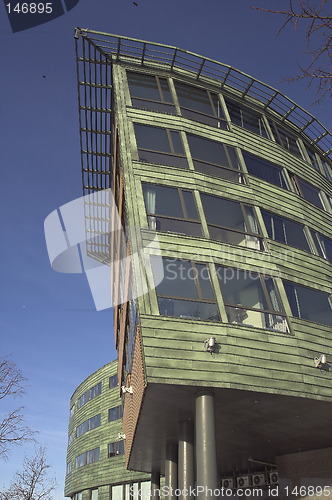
[(203, 69)]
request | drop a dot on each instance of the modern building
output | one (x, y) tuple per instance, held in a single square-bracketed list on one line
[(225, 185), (95, 455)]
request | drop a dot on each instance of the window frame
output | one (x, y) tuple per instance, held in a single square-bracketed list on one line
[(169, 105)]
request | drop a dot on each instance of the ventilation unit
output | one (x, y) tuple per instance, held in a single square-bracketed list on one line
[(258, 479), (227, 483), (274, 477), (242, 481)]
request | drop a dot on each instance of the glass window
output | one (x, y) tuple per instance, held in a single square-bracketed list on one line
[(186, 290), (200, 105), (115, 413), (92, 455), (69, 467), (251, 299), (113, 381), (307, 191), (94, 494), (327, 170), (160, 145), (307, 303), (214, 158), (231, 222), (312, 157), (117, 492), (171, 210), (81, 460), (150, 92), (264, 169), (285, 231), (323, 245), (89, 394), (246, 118), (285, 138), (88, 425), (70, 438), (116, 448), (72, 410)]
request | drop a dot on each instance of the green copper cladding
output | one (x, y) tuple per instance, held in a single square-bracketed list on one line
[(231, 176)]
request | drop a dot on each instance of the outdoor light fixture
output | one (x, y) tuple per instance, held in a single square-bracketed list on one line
[(121, 435), (127, 389), (210, 344), (321, 362)]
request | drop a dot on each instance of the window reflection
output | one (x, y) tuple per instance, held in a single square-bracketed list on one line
[(285, 231), (214, 158), (160, 145), (171, 209), (265, 170), (307, 303), (186, 291), (323, 245), (150, 92), (231, 222), (285, 138), (200, 105), (251, 299), (246, 118)]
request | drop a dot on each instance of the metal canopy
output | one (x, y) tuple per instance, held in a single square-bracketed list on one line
[(205, 70)]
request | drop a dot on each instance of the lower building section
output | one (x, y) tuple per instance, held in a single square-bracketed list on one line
[(95, 456)]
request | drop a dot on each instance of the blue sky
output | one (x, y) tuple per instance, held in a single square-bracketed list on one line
[(48, 321)]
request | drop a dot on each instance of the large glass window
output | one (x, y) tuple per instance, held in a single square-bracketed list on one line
[(89, 394), (186, 290), (231, 222), (214, 158), (285, 231), (307, 191), (113, 381), (285, 138), (251, 299), (310, 304), (88, 425), (115, 413), (88, 457), (323, 245), (171, 209), (160, 145), (265, 170), (246, 118), (150, 92), (116, 448), (200, 105)]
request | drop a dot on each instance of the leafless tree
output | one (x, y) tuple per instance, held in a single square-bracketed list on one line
[(33, 481), (312, 15), (12, 428)]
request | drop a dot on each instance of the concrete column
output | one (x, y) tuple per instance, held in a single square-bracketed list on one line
[(186, 466), (171, 471), (205, 445), (155, 484)]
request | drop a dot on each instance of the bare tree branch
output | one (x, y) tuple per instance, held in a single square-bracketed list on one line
[(12, 430), (318, 36), (33, 481)]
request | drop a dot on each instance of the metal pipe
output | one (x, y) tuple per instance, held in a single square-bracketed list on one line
[(171, 471)]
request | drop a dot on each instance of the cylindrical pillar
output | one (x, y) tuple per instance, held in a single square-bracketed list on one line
[(171, 471), (155, 484), (186, 465), (205, 445)]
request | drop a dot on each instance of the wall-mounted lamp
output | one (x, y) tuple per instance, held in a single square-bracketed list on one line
[(127, 389), (321, 362), (210, 344), (121, 435)]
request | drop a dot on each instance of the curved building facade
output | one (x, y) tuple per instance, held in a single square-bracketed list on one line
[(95, 455), (223, 189)]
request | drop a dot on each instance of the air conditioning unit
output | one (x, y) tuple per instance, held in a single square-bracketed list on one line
[(258, 479), (227, 483), (274, 477), (242, 482)]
